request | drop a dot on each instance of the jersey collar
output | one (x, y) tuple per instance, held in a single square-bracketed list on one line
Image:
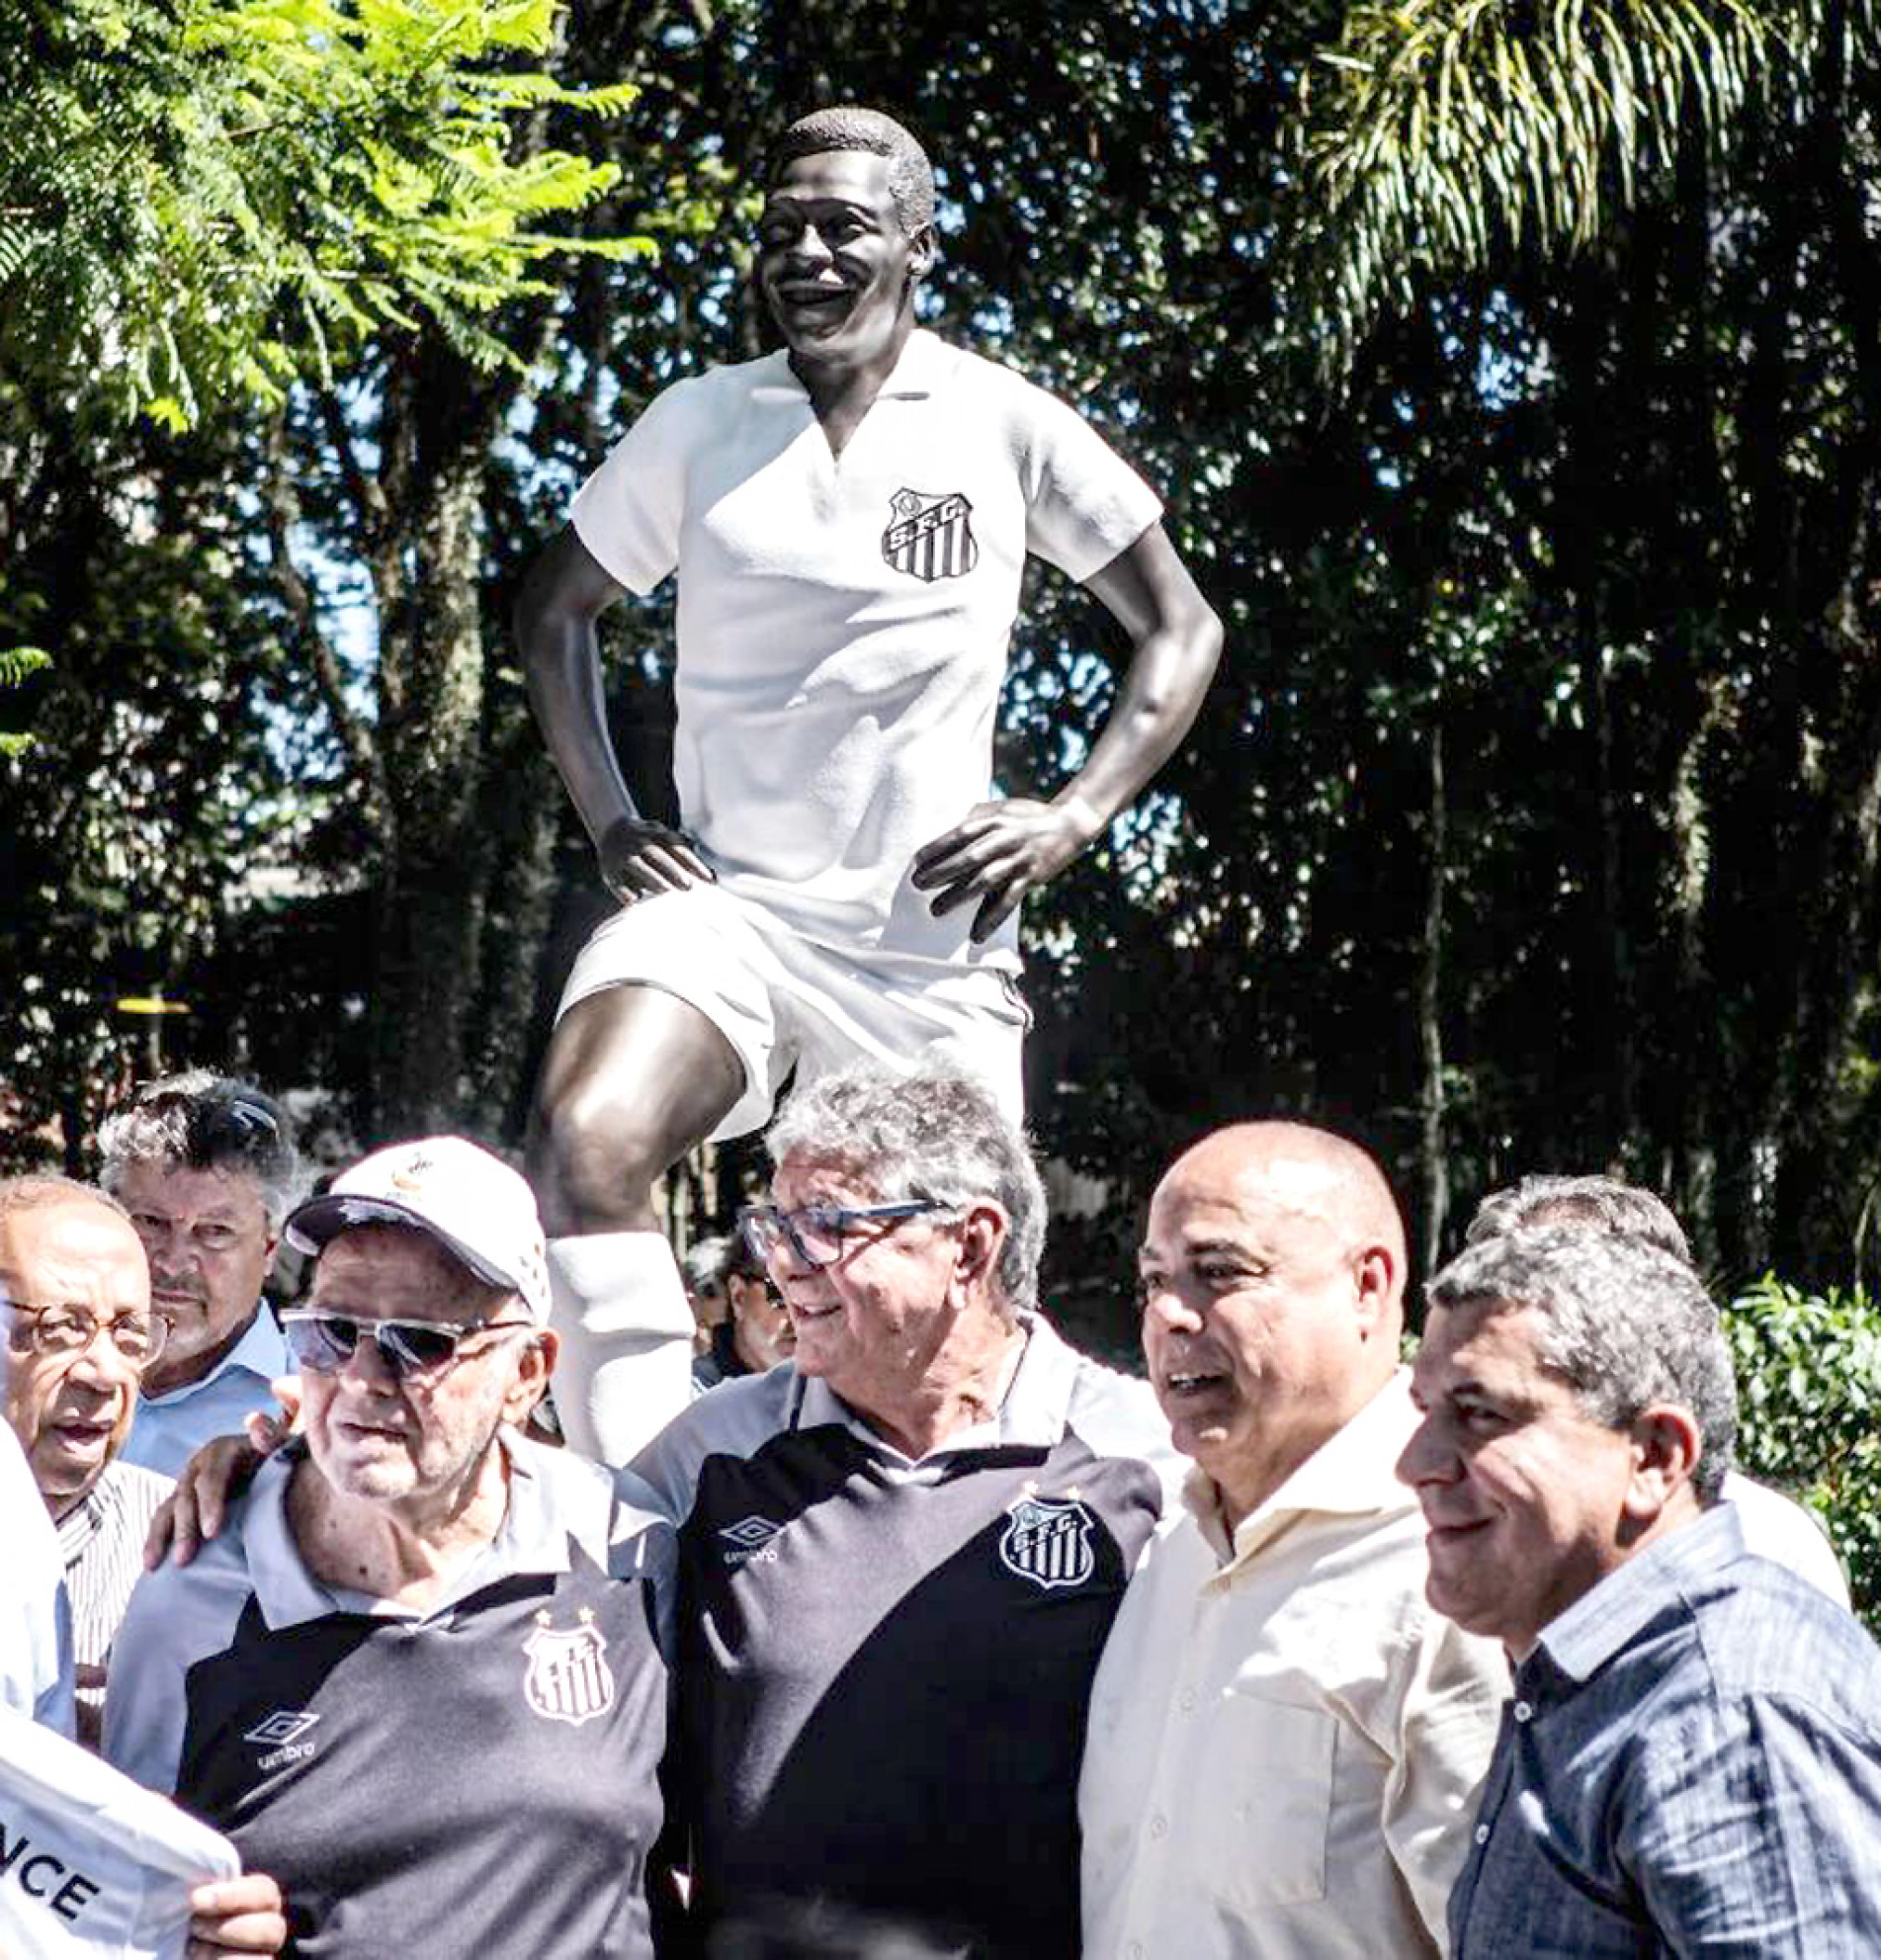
[(922, 369), (531, 1539), (1031, 1415)]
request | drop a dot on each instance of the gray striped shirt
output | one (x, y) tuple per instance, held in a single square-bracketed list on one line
[(101, 1540)]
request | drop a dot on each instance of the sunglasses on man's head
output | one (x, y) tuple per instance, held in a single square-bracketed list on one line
[(326, 1343), (210, 1127)]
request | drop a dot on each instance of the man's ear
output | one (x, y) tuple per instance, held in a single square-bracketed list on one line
[(534, 1365), (1375, 1278), (923, 250), (982, 1237), (1667, 1445), (271, 1253)]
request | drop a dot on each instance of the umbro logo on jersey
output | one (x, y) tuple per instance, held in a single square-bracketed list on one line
[(930, 535), (283, 1726), (279, 1735), (748, 1539), (568, 1678), (1048, 1541)]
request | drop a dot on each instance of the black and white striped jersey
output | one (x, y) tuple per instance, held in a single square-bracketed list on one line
[(480, 1779), (884, 1665)]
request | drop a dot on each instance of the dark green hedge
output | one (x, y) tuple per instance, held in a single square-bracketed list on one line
[(1808, 1384)]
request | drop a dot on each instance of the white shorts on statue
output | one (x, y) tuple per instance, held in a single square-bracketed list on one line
[(784, 1002)]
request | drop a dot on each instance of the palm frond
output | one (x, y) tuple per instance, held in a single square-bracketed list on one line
[(1434, 133)]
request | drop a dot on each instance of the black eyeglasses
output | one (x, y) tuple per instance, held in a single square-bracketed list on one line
[(326, 1343), (137, 1338), (815, 1232)]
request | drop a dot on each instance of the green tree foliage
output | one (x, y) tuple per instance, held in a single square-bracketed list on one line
[(200, 201), (1808, 1390), (16, 663), (1431, 137), (1533, 820), (149, 787)]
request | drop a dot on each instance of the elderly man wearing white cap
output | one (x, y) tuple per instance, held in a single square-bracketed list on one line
[(419, 1676)]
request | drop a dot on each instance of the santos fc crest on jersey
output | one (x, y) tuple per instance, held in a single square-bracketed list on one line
[(568, 1678), (1048, 1541), (930, 536)]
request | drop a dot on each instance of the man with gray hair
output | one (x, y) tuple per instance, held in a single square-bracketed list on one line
[(1775, 1526), (205, 1167), (900, 1553), (848, 519), (1692, 1758)]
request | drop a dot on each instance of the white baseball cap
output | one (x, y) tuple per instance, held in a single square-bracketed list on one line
[(470, 1202)]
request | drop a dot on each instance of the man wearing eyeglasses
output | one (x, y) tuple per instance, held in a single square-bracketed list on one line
[(79, 1334), (900, 1554), (412, 1581), (75, 1308), (205, 1167)]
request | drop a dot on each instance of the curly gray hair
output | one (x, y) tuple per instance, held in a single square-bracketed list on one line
[(1624, 1323), (203, 1121), (934, 1133)]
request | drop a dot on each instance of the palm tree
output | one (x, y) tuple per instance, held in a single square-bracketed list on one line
[(1433, 135)]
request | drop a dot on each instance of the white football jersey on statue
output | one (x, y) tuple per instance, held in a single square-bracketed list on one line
[(843, 621)]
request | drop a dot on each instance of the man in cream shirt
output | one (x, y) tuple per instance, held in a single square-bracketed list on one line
[(1285, 1741)]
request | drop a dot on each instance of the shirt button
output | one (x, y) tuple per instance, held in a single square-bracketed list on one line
[(1187, 1703), (1482, 1833), (1159, 1826), (1522, 1711), (1135, 1949)]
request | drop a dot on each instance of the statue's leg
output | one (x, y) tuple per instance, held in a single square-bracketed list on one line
[(634, 1078)]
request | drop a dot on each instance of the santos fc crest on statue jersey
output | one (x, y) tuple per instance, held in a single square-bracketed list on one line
[(930, 536), (568, 1678), (1048, 1541)]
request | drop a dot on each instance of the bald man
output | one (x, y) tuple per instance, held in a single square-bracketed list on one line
[(1285, 1739)]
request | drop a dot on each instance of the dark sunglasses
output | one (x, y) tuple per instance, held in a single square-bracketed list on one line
[(326, 1343)]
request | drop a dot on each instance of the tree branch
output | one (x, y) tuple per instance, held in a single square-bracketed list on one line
[(362, 484), (281, 505)]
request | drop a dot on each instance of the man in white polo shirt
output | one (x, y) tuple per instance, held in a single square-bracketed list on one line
[(849, 520)]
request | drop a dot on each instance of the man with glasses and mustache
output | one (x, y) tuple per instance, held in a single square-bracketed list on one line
[(205, 1167), (900, 1554), (418, 1678)]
